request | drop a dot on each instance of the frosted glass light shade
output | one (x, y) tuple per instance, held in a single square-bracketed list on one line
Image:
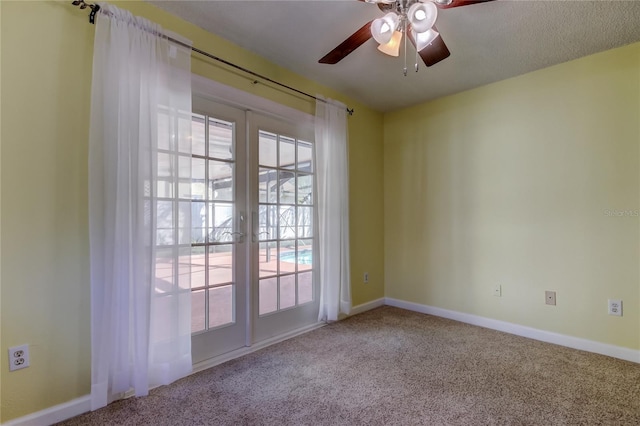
[(382, 28), (392, 48), (424, 39), (422, 16)]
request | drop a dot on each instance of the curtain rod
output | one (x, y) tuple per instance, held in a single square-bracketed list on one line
[(92, 19)]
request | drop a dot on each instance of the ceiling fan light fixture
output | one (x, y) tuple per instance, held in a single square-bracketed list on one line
[(392, 48), (382, 29), (422, 16), (443, 2), (424, 39)]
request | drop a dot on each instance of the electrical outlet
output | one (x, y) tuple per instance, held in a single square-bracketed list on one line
[(615, 307), (550, 297), (497, 290), (18, 357), (366, 277)]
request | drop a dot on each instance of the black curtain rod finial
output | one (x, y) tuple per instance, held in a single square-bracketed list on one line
[(83, 5)]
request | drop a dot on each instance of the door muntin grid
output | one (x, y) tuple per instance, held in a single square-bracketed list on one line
[(213, 221), (285, 222)]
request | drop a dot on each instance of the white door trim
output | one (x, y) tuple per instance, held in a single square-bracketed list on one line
[(249, 102)]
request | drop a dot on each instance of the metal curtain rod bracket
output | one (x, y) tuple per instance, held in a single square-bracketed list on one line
[(92, 19)]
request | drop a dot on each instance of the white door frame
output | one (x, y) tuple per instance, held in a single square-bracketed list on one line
[(211, 90)]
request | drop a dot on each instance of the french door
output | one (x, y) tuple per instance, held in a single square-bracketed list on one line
[(284, 237), (253, 229), (219, 275)]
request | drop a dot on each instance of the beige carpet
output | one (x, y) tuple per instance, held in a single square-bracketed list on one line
[(394, 367)]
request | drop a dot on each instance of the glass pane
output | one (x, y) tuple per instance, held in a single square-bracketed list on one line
[(164, 270), (221, 306), (305, 222), (287, 257), (147, 186), (164, 132), (165, 165), (287, 222), (305, 255), (220, 264), (305, 287), (220, 139), (184, 133), (305, 189), (188, 262), (165, 172), (287, 291), (305, 156), (267, 186), (164, 222), (286, 183), (198, 222), (198, 185), (267, 256), (267, 149), (198, 137), (268, 222), (185, 213), (268, 296), (196, 260), (287, 153), (164, 188), (184, 177), (197, 311), (220, 180), (220, 222)]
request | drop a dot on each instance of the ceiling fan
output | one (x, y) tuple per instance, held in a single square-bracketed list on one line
[(414, 19)]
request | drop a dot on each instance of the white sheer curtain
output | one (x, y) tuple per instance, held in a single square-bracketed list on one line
[(139, 210), (333, 208)]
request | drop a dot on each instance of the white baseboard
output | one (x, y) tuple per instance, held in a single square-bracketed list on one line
[(367, 306), (83, 404), (54, 414), (521, 330)]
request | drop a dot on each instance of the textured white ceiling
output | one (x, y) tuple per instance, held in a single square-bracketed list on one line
[(488, 42)]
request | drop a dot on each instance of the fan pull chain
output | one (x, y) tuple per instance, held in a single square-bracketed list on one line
[(406, 34), (417, 60)]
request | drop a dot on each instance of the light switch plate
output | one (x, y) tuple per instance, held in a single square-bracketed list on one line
[(497, 290)]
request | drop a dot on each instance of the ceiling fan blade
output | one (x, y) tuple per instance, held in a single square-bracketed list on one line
[(435, 52), (349, 45), (458, 3)]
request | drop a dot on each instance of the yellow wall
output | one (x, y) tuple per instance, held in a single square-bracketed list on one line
[(508, 184), (47, 50)]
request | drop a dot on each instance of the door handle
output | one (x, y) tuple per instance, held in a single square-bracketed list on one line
[(256, 237), (238, 234), (255, 225)]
